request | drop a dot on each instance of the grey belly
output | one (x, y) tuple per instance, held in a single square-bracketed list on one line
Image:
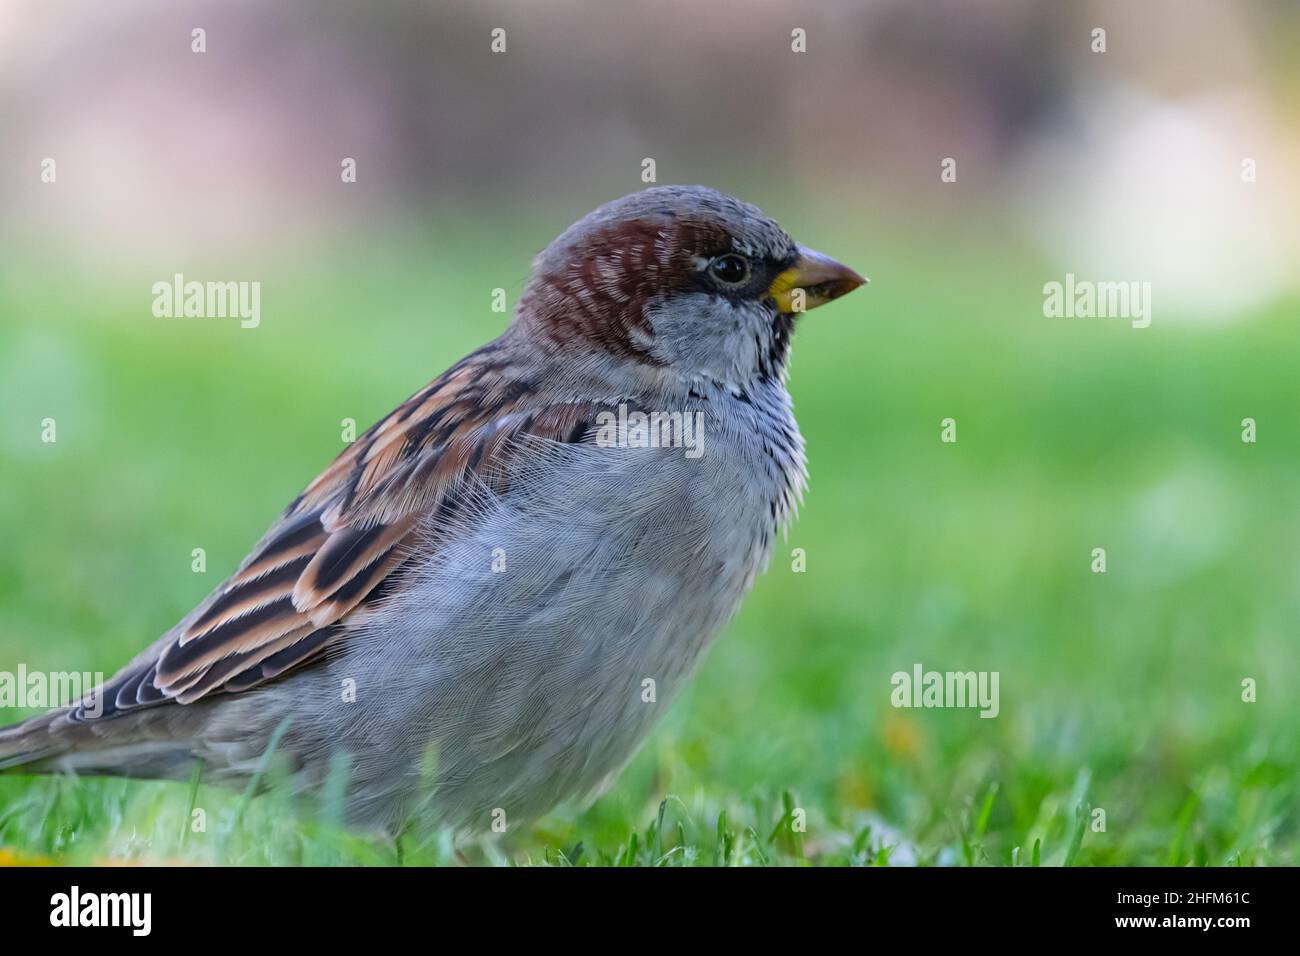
[(538, 645)]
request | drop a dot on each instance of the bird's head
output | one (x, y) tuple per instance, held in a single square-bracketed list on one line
[(682, 279)]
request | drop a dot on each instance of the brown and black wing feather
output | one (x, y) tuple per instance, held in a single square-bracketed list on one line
[(345, 536)]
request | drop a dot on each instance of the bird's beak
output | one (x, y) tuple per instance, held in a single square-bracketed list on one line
[(813, 280)]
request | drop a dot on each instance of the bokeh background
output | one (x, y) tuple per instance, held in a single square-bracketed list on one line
[(1119, 691)]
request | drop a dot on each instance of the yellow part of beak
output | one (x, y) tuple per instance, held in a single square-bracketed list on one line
[(813, 280)]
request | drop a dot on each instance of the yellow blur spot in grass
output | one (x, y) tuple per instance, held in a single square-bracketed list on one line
[(10, 857), (902, 736)]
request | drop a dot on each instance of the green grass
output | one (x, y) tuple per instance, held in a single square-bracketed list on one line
[(1119, 691)]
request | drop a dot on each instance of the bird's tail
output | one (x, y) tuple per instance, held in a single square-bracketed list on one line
[(29, 745), (61, 741)]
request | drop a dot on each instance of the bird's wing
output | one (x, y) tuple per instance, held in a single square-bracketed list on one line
[(347, 533)]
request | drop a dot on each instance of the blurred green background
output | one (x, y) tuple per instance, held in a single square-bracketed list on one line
[(1120, 691)]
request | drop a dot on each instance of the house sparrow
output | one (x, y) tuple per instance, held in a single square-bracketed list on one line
[(480, 583)]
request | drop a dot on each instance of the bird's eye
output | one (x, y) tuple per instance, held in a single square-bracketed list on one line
[(730, 269)]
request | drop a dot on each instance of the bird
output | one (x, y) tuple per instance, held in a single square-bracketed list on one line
[(486, 601)]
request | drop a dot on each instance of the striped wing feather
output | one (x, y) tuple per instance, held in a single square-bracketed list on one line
[(345, 534)]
